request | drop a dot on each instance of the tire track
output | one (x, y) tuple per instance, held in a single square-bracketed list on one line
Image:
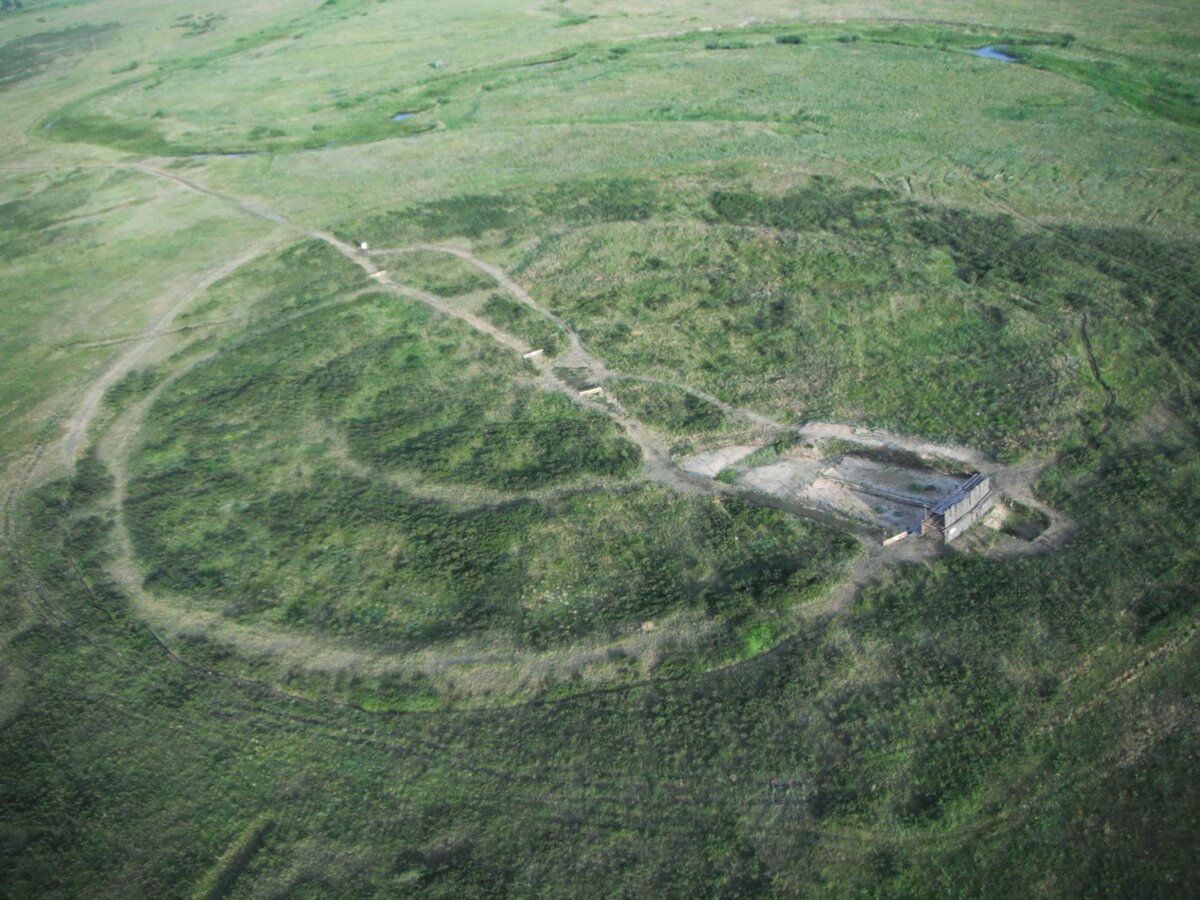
[(1111, 401), (1017, 480), (658, 464), (78, 424)]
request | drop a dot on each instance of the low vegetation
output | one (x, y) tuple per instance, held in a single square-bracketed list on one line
[(339, 553), (261, 488), (1023, 522), (114, 230), (961, 707), (942, 322), (234, 860), (28, 57), (439, 273), (515, 318), (668, 408), (511, 89), (401, 617), (1144, 83)]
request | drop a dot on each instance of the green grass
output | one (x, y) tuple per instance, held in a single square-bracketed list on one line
[(1024, 522), (527, 439), (770, 451), (519, 89), (728, 475), (132, 137), (235, 859), (963, 709), (1001, 255), (1171, 92), (35, 218), (670, 409), (120, 235), (347, 556), (304, 275), (926, 320), (519, 320), (30, 56), (261, 487), (439, 273)]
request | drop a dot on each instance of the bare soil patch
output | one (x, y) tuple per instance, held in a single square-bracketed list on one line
[(711, 462)]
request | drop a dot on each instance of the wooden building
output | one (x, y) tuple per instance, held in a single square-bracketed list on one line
[(958, 511)]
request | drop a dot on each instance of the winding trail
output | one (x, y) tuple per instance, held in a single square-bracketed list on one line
[(1015, 481), (78, 424), (507, 669), (510, 671)]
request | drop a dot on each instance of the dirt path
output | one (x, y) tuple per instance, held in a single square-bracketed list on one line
[(515, 670), (512, 671), (600, 371), (656, 455), (1015, 481), (654, 450), (505, 281), (77, 425), (255, 209)]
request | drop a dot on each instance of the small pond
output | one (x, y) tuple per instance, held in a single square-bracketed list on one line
[(401, 116), (994, 53)]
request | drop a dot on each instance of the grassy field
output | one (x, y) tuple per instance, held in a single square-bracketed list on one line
[(311, 586), (955, 730), (439, 273), (852, 303), (537, 331), (671, 409), (89, 262), (317, 474)]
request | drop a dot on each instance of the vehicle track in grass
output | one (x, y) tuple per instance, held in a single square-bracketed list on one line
[(1016, 480), (159, 328), (81, 420), (657, 463)]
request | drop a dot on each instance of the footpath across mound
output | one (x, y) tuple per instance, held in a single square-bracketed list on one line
[(379, 489), (355, 485)]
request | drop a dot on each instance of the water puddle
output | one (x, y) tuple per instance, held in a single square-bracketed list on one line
[(401, 116), (993, 53)]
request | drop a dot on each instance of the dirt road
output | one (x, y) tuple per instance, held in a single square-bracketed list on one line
[(515, 670), (161, 327)]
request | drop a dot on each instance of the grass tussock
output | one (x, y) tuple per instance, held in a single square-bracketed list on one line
[(440, 273), (285, 481), (518, 319), (669, 408)]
